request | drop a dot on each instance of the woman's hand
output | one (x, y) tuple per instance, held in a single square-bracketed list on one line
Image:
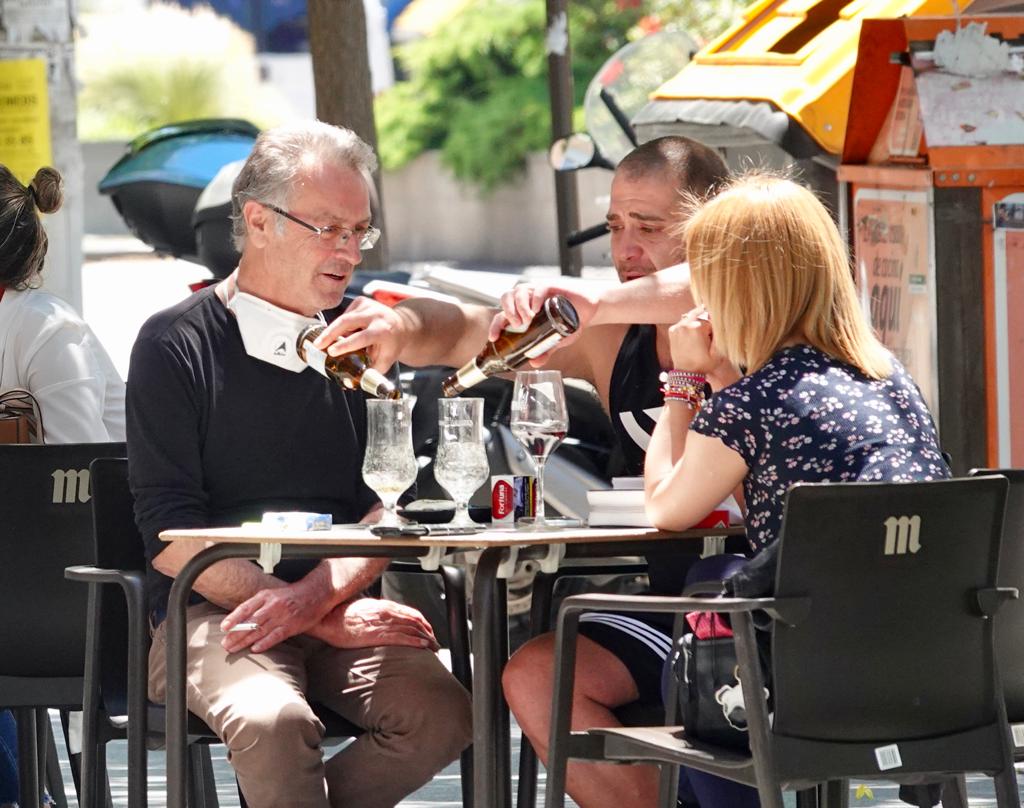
[(691, 343)]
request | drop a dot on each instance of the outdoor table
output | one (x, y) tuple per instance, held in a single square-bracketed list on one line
[(500, 550)]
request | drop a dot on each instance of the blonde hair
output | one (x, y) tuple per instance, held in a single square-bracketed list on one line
[(768, 262)]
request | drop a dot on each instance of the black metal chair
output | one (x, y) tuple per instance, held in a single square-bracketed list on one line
[(882, 648), (1010, 625), (45, 524), (117, 651)]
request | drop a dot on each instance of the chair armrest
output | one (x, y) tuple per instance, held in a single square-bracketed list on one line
[(991, 599), (90, 574), (787, 610)]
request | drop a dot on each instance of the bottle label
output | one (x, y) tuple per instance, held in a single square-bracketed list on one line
[(470, 375), (316, 358), (543, 346)]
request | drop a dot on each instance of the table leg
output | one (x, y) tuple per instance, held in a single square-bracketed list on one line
[(177, 713), (487, 791), (503, 743)]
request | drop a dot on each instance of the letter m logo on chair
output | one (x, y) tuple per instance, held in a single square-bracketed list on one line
[(70, 485), (902, 535)]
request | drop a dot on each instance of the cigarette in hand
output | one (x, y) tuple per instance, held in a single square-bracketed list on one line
[(244, 627)]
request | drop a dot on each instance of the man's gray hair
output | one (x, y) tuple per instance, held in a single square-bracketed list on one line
[(282, 154)]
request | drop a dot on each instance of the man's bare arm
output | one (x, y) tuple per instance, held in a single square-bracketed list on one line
[(417, 332), (660, 298), (234, 581), (442, 333)]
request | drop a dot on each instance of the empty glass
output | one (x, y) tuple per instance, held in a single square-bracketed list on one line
[(389, 465), (461, 465)]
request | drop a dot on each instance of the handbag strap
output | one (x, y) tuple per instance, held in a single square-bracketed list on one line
[(21, 403)]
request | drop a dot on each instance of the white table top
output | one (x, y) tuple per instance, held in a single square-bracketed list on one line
[(348, 536)]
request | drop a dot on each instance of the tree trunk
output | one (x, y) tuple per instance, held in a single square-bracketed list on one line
[(344, 94)]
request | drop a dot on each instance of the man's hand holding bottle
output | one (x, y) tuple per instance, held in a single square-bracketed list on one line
[(367, 326), (520, 304)]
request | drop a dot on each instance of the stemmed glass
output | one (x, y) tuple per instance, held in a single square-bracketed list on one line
[(539, 421), (389, 465), (461, 465)]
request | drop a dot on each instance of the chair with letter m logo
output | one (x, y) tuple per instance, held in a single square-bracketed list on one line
[(883, 628), (1010, 625), (45, 525)]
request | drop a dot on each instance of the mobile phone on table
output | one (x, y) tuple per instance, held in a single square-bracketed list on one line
[(389, 532)]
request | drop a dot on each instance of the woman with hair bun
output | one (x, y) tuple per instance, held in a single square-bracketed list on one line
[(45, 346), (48, 350)]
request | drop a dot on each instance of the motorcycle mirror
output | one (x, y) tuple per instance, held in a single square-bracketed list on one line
[(574, 152)]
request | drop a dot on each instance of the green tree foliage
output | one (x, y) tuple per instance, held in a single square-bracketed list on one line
[(477, 90), (162, 64)]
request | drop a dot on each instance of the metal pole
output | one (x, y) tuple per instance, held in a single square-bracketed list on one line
[(560, 91)]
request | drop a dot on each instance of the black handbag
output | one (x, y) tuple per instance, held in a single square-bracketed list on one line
[(711, 705)]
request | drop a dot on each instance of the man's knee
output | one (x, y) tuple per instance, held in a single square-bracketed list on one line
[(430, 710), (272, 724), (530, 670)]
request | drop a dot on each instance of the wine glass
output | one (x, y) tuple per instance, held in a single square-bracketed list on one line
[(461, 465), (389, 465), (539, 422)]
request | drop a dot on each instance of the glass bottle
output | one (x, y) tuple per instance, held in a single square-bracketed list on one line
[(513, 349), (352, 370)]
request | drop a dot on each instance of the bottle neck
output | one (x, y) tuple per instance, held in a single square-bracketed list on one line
[(375, 383)]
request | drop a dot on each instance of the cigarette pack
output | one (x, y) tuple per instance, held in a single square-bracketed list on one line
[(512, 497)]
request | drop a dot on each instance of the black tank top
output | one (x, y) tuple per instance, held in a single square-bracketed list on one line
[(635, 401), (634, 397)]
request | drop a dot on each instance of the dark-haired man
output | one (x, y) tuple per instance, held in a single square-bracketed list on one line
[(622, 362)]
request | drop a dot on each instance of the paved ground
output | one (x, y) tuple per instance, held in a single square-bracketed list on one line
[(443, 791)]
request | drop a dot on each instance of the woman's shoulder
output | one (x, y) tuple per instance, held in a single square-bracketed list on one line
[(38, 313)]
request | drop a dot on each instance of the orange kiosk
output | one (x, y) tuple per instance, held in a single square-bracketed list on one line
[(932, 196)]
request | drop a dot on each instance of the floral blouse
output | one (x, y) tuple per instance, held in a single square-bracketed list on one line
[(806, 417)]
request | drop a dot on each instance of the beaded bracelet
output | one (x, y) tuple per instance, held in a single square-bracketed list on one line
[(682, 385)]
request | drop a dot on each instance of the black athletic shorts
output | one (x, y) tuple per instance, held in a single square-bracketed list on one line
[(642, 641)]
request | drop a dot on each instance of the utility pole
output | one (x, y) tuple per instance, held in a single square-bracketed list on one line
[(344, 94), (38, 34), (561, 94)]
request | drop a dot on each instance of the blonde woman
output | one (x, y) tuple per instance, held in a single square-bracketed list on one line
[(820, 398)]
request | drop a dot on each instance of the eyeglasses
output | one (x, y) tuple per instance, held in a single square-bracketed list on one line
[(332, 235)]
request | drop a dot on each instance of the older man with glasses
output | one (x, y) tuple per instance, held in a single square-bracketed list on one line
[(223, 426)]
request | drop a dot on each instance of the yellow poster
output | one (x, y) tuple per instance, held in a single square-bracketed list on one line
[(896, 276), (24, 117)]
